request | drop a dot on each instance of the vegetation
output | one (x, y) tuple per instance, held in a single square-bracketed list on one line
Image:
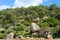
[(18, 20)]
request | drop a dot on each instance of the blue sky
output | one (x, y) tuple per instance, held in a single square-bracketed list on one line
[(57, 2), (25, 3), (6, 2)]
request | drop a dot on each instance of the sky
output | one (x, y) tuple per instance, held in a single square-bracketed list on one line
[(4, 4)]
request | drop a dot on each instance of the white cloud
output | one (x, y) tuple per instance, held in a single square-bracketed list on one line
[(4, 7), (23, 3), (27, 3)]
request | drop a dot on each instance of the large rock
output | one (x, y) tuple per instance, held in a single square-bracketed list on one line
[(48, 35), (34, 27), (10, 35)]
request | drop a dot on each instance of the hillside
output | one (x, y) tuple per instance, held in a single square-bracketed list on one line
[(18, 20)]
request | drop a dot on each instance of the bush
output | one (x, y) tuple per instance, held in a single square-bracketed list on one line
[(2, 36), (52, 22), (56, 32)]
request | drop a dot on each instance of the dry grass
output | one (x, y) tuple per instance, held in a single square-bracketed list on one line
[(30, 39)]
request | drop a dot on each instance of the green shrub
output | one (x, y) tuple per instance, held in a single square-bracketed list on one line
[(2, 36), (56, 32)]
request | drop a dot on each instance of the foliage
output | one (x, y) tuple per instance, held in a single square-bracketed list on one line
[(19, 19)]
